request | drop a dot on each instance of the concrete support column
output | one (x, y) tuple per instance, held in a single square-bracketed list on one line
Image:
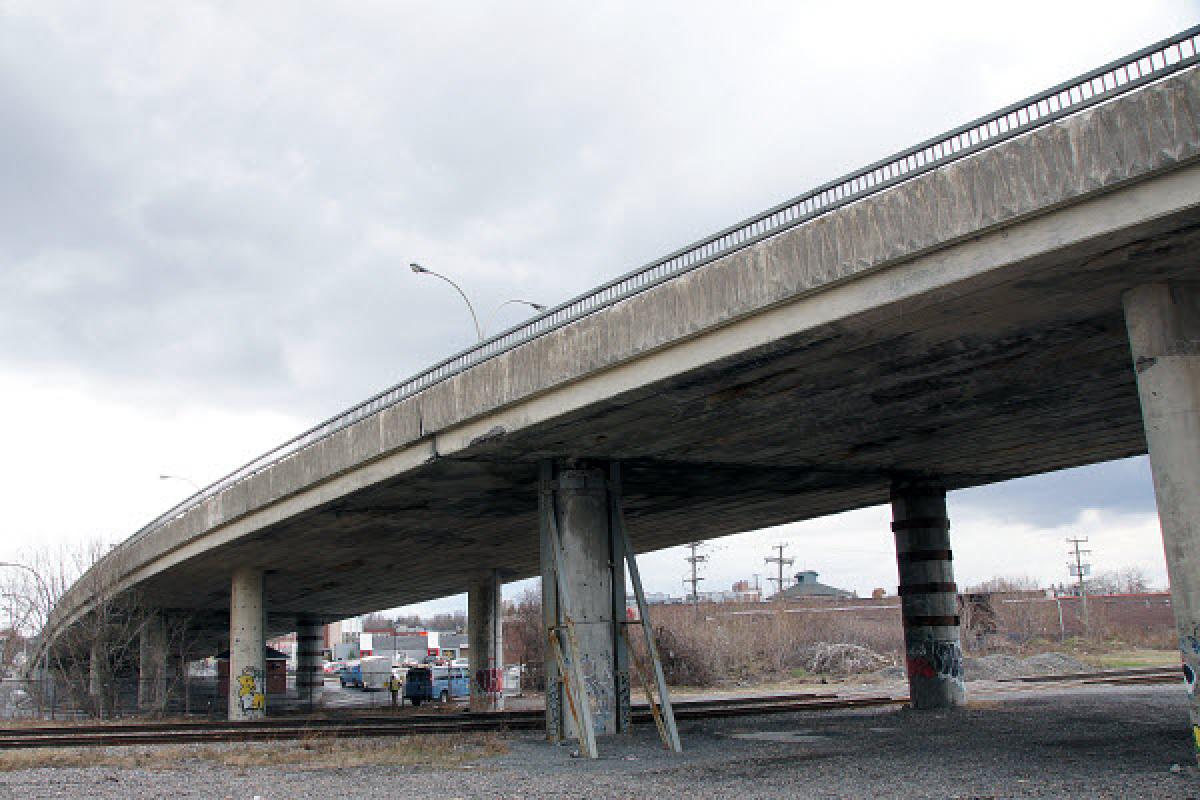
[(99, 676), (485, 632), (310, 677), (247, 646), (928, 595), (594, 574), (152, 664), (1164, 338), (179, 683)]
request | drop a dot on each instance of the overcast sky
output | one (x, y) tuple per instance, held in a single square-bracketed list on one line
[(206, 213)]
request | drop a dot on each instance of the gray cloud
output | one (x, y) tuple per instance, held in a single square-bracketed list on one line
[(1056, 498), (214, 207)]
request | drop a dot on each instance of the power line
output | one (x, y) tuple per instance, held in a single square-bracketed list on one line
[(780, 563), (695, 560), (1080, 570)]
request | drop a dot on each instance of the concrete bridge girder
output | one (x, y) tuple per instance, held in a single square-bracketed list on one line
[(928, 312)]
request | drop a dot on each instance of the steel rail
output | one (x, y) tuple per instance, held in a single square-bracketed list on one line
[(351, 719), (285, 729), (1097, 86)]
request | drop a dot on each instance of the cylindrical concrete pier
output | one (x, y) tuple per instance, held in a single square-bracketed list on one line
[(928, 595), (152, 664), (1163, 321), (580, 499), (100, 677), (247, 646), (485, 631), (310, 678)]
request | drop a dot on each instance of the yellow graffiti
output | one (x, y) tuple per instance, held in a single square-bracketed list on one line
[(1196, 736), (249, 697)]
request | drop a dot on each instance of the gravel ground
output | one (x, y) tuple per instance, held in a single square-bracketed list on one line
[(1104, 742)]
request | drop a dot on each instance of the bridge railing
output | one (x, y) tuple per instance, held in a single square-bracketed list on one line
[(1097, 86)]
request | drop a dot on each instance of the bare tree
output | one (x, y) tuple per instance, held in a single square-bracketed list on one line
[(1126, 580), (377, 621), (453, 621), (525, 638), (90, 654), (1006, 583)]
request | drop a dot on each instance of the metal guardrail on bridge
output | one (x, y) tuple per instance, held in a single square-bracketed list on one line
[(1097, 86)]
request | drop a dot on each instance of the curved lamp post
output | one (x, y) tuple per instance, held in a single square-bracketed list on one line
[(530, 303), (417, 268), (480, 331), (178, 478)]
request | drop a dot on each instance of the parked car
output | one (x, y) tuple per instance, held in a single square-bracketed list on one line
[(351, 675)]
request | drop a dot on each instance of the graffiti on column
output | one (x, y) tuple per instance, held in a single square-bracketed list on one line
[(490, 680), (623, 709), (598, 676), (252, 698), (554, 710), (935, 659), (1189, 649)]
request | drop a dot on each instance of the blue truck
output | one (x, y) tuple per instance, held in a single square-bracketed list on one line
[(426, 684)]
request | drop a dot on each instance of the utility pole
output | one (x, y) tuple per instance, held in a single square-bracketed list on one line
[(1079, 569), (780, 563), (758, 586), (695, 559)]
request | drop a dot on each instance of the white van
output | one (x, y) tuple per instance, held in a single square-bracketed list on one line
[(375, 672)]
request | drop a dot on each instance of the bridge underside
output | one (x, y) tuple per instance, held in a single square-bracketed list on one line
[(1017, 371)]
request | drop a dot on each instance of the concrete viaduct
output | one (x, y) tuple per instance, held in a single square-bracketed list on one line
[(1016, 296)]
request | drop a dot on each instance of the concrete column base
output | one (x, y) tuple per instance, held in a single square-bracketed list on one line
[(152, 665), (485, 631), (100, 678), (247, 647), (1164, 338), (928, 595), (310, 677), (594, 573)]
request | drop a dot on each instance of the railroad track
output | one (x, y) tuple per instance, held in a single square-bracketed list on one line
[(408, 725), (1132, 676), (295, 728)]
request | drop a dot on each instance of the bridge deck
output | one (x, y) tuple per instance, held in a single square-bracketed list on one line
[(965, 323)]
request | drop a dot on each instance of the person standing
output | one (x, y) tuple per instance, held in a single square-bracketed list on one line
[(393, 686)]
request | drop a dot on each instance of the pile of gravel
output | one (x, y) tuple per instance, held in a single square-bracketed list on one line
[(825, 658), (991, 668), (1003, 665), (1000, 666), (1054, 664)]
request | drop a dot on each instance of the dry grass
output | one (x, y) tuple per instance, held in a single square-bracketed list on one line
[(33, 722), (1136, 657), (709, 646), (316, 752)]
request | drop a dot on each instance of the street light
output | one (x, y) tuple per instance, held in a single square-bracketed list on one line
[(480, 331), (530, 303), (178, 478), (417, 268)]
